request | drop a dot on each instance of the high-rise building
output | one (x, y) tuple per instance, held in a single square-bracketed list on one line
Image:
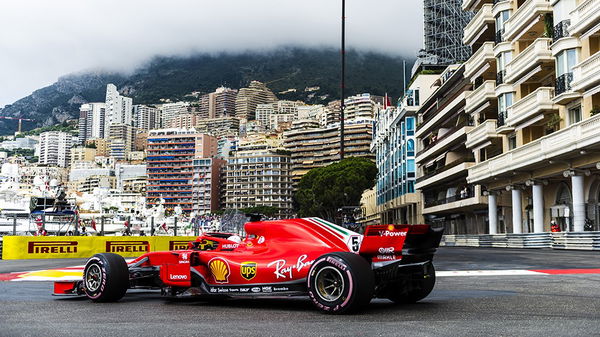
[(207, 184), (82, 154), (312, 146), (220, 103), (219, 127), (171, 110), (270, 115), (119, 109), (360, 106), (258, 175), (55, 148), (536, 105), (170, 165), (395, 146), (147, 117), (122, 140), (184, 120), (92, 120), (248, 98)]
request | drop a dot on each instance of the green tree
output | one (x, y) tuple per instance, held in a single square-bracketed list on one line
[(322, 191)]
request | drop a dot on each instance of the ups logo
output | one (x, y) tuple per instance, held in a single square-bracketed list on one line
[(248, 270)]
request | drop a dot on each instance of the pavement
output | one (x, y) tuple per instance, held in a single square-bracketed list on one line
[(470, 304)]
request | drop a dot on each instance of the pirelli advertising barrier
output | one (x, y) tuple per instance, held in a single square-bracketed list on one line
[(53, 247)]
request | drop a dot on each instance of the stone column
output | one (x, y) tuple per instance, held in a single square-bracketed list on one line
[(493, 213), (517, 214), (538, 208), (578, 203)]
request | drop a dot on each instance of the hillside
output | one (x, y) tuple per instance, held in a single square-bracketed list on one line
[(175, 77)]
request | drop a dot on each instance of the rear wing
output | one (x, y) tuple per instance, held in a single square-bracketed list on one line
[(411, 243)]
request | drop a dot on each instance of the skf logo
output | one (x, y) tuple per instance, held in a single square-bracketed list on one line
[(178, 245), (52, 247), (127, 246), (220, 269), (248, 270)]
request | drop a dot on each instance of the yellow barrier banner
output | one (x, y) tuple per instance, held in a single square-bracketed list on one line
[(58, 247)]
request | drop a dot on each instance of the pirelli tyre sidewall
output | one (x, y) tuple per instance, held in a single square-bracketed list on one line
[(354, 279), (106, 277)]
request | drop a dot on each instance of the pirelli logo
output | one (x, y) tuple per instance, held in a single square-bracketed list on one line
[(178, 245), (52, 247), (127, 246)]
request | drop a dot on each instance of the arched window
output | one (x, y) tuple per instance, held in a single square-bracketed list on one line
[(410, 145)]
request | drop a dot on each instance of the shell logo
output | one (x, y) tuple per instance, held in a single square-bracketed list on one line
[(220, 270)]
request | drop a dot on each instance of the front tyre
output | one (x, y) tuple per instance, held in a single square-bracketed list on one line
[(105, 277), (340, 282)]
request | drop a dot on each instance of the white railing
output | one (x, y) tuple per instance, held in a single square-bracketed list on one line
[(483, 93), (585, 15), (475, 62), (482, 18), (535, 53), (530, 105), (586, 73), (524, 15), (481, 133), (578, 136)]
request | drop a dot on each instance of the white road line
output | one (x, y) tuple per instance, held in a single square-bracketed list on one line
[(511, 272)]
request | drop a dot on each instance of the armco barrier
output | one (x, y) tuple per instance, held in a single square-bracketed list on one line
[(559, 240), (52, 247)]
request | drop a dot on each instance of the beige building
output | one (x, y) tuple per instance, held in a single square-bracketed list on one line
[(259, 175), (368, 206), (82, 154), (88, 184), (312, 146), (247, 100), (536, 136), (102, 146), (219, 127)]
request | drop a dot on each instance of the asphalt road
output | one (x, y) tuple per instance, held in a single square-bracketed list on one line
[(553, 305)]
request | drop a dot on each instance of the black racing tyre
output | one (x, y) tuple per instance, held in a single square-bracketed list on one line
[(340, 282), (106, 277), (419, 289)]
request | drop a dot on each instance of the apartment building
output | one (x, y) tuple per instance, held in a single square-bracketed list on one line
[(259, 175), (219, 127), (314, 146), (55, 148), (218, 104), (122, 140), (360, 106), (270, 115), (82, 154), (169, 111), (184, 120), (119, 109), (394, 145), (147, 117), (536, 133), (247, 100), (92, 120), (170, 165), (207, 185), (443, 159)]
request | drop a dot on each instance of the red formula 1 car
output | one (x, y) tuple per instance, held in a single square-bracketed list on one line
[(338, 269)]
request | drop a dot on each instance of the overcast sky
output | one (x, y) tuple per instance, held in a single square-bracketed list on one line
[(41, 40)]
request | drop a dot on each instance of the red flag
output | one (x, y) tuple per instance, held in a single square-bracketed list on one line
[(164, 226), (93, 224)]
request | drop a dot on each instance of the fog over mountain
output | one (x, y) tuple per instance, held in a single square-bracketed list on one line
[(43, 40)]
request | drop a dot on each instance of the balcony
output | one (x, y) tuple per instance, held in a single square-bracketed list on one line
[(561, 30), (525, 17), (563, 93), (448, 109), (484, 93), (566, 143), (451, 137), (473, 5), (448, 172), (586, 74), (585, 16), (484, 19), (531, 106), (481, 133), (537, 53), (485, 54)]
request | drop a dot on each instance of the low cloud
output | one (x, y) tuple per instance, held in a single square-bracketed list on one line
[(42, 40)]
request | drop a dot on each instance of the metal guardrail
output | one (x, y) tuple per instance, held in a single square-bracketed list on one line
[(557, 240)]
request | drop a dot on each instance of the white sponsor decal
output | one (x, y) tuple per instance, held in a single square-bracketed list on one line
[(354, 242), (384, 250), (255, 289), (230, 245), (178, 277), (261, 240), (267, 289), (388, 233), (281, 271), (386, 257)]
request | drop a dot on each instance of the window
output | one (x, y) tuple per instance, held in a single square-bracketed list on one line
[(565, 61), (410, 125), (575, 115), (503, 59), (512, 142), (504, 102)]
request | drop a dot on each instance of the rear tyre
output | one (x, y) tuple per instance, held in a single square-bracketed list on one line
[(340, 282), (105, 277), (419, 289)]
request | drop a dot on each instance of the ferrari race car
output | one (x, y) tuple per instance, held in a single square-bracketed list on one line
[(340, 270)]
